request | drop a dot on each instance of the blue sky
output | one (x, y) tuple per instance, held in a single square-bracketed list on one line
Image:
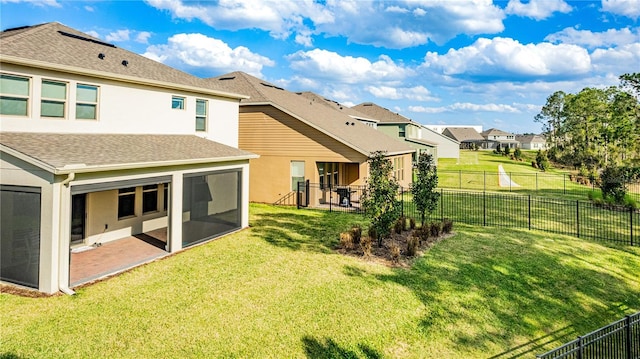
[(435, 61)]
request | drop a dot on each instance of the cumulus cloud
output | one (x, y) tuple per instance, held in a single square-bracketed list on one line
[(467, 107), (347, 69), (628, 8), (537, 9), (617, 60), (417, 93), (118, 36), (143, 37), (52, 3), (391, 24), (200, 51), (589, 39), (504, 57)]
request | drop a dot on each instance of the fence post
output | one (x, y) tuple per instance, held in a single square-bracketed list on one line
[(529, 212), (579, 348), (298, 196), (441, 205), (402, 201), (627, 323), (330, 198), (631, 224), (578, 218), (484, 180), (484, 208)]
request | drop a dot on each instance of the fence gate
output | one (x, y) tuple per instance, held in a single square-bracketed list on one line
[(302, 195)]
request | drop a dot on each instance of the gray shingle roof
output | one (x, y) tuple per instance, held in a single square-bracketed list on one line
[(338, 106), (530, 138), (382, 114), (96, 151), (54, 44), (324, 118), (495, 132), (462, 134)]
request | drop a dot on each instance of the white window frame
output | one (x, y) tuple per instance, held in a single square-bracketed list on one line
[(183, 101), (26, 98), (63, 101), (205, 117), (94, 104)]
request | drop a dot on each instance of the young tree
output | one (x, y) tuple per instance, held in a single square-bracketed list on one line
[(424, 188), (542, 161), (614, 183), (379, 199), (517, 153)]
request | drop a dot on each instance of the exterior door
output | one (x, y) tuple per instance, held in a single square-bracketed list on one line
[(78, 217)]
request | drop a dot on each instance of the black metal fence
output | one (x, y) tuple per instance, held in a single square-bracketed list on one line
[(582, 219), (542, 183), (618, 340)]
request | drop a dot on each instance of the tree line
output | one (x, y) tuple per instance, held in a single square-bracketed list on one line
[(597, 130)]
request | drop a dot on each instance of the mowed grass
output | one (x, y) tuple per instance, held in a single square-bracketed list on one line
[(478, 171), (279, 290)]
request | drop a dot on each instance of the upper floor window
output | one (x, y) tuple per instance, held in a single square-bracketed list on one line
[(177, 102), (86, 102), (201, 115), (14, 95), (401, 132), (54, 99)]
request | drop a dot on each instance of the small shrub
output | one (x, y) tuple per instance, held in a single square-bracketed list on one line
[(507, 150), (373, 234), (447, 226), (435, 228), (412, 223), (346, 240), (394, 251), (413, 243), (533, 164), (365, 245), (422, 234), (356, 233), (398, 227), (517, 154)]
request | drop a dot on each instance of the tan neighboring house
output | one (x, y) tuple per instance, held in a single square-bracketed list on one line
[(466, 136), (355, 114), (415, 134), (532, 142), (108, 159), (494, 136), (301, 139)]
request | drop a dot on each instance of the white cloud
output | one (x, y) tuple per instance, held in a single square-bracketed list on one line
[(617, 60), (118, 36), (392, 24), (200, 51), (52, 3), (417, 93), (89, 8), (143, 37), (628, 8), (537, 9), (93, 33), (347, 69), (467, 107), (505, 57), (589, 39)]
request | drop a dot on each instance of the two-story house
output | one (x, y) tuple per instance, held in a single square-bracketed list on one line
[(413, 133), (303, 139), (108, 159), (493, 137)]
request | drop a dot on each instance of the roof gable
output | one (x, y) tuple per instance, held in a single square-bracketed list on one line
[(382, 114), (53, 45), (315, 113), (461, 134)]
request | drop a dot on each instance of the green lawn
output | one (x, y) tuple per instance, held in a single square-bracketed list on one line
[(279, 290)]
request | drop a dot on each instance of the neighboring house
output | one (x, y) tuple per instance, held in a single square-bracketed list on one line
[(301, 139), (415, 134), (532, 142), (99, 144), (466, 136), (493, 137), (441, 128), (365, 119)]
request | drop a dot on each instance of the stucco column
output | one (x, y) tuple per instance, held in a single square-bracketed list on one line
[(64, 234), (175, 213)]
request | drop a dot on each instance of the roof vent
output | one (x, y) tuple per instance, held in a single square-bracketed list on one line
[(353, 124), (125, 63), (226, 78), (347, 123), (79, 37), (101, 56)]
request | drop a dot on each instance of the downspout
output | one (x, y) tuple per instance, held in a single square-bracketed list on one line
[(64, 287)]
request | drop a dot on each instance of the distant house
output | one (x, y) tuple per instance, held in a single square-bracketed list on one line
[(532, 142), (353, 113), (301, 137), (414, 133), (493, 137), (441, 128), (99, 145), (466, 136)]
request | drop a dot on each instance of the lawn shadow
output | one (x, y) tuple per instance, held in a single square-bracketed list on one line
[(512, 288), (329, 349), (310, 230)]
